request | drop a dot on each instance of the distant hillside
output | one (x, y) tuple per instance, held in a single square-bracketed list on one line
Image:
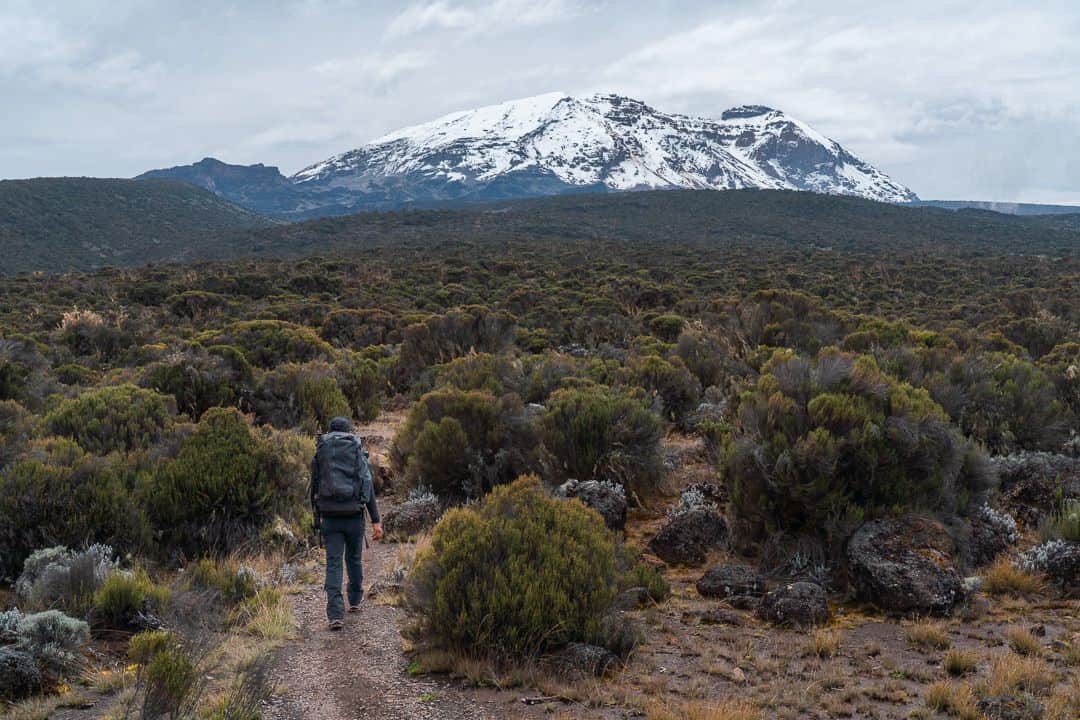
[(1010, 208), (755, 219), (735, 218), (57, 224)]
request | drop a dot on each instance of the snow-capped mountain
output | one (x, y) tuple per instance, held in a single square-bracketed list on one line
[(555, 143)]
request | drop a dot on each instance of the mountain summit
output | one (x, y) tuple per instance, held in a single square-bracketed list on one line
[(554, 144)]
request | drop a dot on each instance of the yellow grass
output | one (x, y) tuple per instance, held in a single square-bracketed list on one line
[(960, 662), (954, 699), (1004, 578), (1010, 673), (927, 634), (823, 644), (1023, 642), (729, 709)]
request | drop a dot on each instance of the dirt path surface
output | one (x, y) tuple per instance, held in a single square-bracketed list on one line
[(360, 672)]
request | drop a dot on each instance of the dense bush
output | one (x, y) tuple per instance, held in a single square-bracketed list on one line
[(442, 338), (58, 578), (596, 433), (517, 574), (461, 444), (362, 383), (69, 497), (53, 639), (199, 379), (821, 441), (123, 596), (225, 483), (305, 396), (266, 343), (124, 417), (357, 328), (674, 387)]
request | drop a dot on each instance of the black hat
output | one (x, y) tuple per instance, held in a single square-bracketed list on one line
[(340, 424)]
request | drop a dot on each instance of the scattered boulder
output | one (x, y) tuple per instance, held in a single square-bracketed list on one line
[(416, 515), (904, 565), (992, 533), (800, 605), (725, 580), (632, 598), (580, 660), (606, 498), (19, 676), (1059, 559), (689, 536), (1003, 707), (1034, 483)]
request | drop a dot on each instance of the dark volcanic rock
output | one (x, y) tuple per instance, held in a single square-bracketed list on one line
[(412, 517), (726, 580), (606, 498), (580, 660), (800, 605), (689, 536), (1000, 707), (992, 533), (904, 565)]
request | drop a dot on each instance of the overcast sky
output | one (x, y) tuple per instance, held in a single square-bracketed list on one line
[(971, 100)]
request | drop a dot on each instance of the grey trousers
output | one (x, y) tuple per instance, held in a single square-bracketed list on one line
[(344, 536)]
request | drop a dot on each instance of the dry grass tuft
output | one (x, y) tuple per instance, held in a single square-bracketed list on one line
[(823, 644), (729, 709), (1023, 642), (1013, 673), (1004, 578), (954, 699), (928, 634), (960, 662)]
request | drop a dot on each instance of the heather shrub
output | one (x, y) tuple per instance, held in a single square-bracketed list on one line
[(357, 329), (86, 332), (676, 389), (823, 441), (362, 383), (516, 574), (463, 443), (495, 374), (73, 374), (200, 379), (119, 418), (69, 497), (305, 396), (267, 343), (442, 338), (596, 433), (667, 327), (224, 484), (196, 304), (233, 581), (787, 318)]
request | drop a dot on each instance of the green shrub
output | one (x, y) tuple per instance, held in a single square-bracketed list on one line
[(676, 388), (86, 332), (67, 497), (517, 574), (142, 647), (72, 374), (305, 396), (224, 484), (357, 329), (124, 417), (667, 327), (233, 581), (819, 441), (199, 379), (463, 443), (442, 338), (267, 343), (495, 374), (598, 433), (169, 680), (1064, 525), (649, 577), (362, 383), (123, 595)]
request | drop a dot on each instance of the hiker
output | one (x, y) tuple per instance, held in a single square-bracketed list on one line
[(341, 488)]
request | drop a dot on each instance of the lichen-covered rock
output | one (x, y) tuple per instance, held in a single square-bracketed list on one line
[(1001, 707), (689, 536), (1059, 559), (904, 565), (725, 580), (580, 660), (800, 605), (992, 533), (1033, 483), (606, 498), (19, 676), (412, 517)]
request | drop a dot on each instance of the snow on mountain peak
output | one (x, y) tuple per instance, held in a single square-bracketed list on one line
[(555, 143)]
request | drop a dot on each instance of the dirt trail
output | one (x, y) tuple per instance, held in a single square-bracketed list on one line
[(360, 672)]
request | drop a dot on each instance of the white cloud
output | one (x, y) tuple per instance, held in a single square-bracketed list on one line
[(481, 17), (378, 71)]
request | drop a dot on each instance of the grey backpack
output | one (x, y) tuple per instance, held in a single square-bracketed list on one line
[(341, 488)]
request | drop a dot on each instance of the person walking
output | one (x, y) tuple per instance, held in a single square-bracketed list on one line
[(341, 489)]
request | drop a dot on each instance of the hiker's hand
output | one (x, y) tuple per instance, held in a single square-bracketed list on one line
[(376, 531)]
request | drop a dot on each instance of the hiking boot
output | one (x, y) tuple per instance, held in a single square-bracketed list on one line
[(354, 609), (336, 624)]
